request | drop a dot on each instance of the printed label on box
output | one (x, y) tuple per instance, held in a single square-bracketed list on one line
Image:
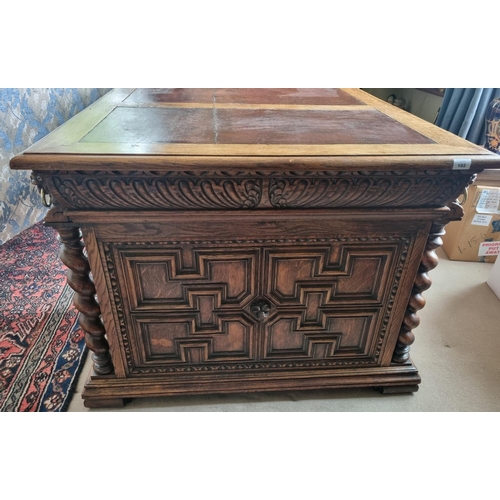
[(489, 248), (481, 220), (489, 202)]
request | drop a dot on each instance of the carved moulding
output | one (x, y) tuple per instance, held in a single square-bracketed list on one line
[(403, 242), (192, 190), (150, 192), (365, 191)]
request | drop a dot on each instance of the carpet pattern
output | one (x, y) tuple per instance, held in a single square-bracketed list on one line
[(42, 347)]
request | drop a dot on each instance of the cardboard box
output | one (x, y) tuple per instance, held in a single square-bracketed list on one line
[(490, 177), (476, 238), (494, 279)]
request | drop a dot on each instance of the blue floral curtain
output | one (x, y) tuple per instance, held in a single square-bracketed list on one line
[(463, 112)]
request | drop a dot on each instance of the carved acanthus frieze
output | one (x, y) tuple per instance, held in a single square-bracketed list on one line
[(216, 190), (151, 192), (365, 191)]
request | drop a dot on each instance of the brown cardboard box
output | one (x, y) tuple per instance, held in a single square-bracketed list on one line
[(490, 177), (476, 238)]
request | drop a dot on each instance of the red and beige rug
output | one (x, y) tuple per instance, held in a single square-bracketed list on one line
[(41, 345)]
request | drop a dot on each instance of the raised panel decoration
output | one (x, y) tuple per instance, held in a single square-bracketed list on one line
[(182, 339), (188, 306), (324, 302), (329, 300), (338, 334), (177, 277)]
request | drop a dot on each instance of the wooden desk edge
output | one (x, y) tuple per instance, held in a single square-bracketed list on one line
[(50, 162)]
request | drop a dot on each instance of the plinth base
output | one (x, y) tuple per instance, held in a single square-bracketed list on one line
[(106, 391)]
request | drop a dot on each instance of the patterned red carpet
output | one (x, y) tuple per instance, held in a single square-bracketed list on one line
[(41, 345)]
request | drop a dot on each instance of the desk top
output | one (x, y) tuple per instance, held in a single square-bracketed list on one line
[(199, 128)]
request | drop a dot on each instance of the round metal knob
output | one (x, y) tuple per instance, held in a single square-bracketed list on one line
[(260, 309)]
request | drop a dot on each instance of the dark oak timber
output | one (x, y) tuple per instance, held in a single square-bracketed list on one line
[(246, 240)]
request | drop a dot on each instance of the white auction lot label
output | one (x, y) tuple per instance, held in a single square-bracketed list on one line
[(461, 163), (489, 248)]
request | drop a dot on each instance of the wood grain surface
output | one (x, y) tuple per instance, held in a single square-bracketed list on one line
[(194, 126)]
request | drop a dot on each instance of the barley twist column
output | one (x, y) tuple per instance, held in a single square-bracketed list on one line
[(423, 282), (79, 280)]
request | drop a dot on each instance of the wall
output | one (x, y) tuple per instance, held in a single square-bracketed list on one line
[(418, 103), (27, 115)]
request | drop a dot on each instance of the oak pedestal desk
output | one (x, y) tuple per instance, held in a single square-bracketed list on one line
[(240, 240)]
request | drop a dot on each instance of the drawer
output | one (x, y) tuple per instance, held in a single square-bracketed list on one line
[(187, 305)]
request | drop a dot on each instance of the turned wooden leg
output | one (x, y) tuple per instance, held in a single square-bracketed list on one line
[(79, 280), (422, 282)]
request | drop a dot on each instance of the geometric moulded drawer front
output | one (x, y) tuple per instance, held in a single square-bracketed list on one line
[(328, 301), (288, 336), (187, 305), (257, 306)]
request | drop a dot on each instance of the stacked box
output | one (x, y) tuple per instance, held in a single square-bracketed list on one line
[(476, 238)]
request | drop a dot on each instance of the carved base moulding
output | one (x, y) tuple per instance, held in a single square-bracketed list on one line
[(242, 240), (394, 379)]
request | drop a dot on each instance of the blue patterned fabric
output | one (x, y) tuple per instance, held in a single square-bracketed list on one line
[(27, 115)]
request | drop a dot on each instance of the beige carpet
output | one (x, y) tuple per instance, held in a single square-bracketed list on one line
[(456, 350)]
